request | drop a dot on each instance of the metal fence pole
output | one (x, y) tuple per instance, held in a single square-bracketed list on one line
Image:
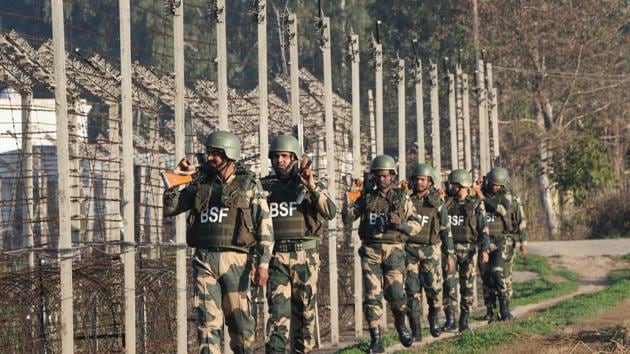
[(128, 202), (296, 117), (332, 179), (435, 121), (356, 171), (402, 144), (63, 190), (180, 152)]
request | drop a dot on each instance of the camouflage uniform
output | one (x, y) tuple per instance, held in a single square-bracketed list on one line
[(470, 235), (424, 257), (294, 269), (383, 249), (227, 221), (506, 222)]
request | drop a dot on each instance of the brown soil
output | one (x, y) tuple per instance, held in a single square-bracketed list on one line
[(591, 270), (608, 332)]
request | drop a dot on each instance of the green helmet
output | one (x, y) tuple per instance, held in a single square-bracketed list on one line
[(383, 162), (499, 176), (460, 176), (286, 143), (423, 169), (226, 141)]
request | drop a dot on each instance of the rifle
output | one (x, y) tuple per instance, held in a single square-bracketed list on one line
[(186, 172)]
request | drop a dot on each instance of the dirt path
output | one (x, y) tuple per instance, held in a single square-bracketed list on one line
[(609, 332)]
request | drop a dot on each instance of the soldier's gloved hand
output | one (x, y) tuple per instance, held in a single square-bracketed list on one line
[(484, 257), (260, 276), (450, 265), (523, 249)]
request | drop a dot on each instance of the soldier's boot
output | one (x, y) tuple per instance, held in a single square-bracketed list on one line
[(463, 321), (434, 326), (376, 345), (504, 308), (416, 328), (449, 325), (490, 308), (490, 314), (404, 334)]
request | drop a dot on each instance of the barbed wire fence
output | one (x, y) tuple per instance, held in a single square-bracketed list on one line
[(30, 250)]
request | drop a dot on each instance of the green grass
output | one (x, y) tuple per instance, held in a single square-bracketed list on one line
[(547, 323), (547, 286)]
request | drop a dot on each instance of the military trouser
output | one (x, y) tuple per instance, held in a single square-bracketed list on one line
[(465, 263), (292, 292), (221, 288), (424, 271), (383, 266), (497, 273)]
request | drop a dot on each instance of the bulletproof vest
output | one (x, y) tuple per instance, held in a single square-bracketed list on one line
[(375, 221), (290, 219), (224, 218), (427, 208), (502, 224), (461, 217)]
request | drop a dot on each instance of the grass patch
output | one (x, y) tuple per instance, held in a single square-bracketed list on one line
[(548, 286), (548, 323)]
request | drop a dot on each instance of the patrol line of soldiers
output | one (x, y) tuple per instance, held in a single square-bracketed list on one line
[(267, 231), (408, 239)]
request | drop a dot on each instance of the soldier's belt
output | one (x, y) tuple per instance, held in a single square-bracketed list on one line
[(295, 246)]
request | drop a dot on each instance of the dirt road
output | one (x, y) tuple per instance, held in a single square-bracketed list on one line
[(582, 248)]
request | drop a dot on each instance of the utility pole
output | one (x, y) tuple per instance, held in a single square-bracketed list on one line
[(222, 83), (378, 69), (476, 31), (180, 152), (63, 164), (402, 149), (459, 110), (356, 171), (332, 177), (128, 202), (435, 121), (417, 76), (296, 117)]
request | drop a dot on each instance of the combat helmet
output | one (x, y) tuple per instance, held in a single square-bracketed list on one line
[(383, 162), (461, 177), (424, 169), (286, 143), (226, 141), (499, 176)]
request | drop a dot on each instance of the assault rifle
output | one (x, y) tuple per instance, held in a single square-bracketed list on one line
[(186, 172)]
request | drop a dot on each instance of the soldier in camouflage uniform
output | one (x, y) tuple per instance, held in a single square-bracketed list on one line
[(388, 217), (228, 221), (467, 218), (424, 251), (506, 222), (299, 204)]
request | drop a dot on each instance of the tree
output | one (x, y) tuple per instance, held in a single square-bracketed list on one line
[(564, 61)]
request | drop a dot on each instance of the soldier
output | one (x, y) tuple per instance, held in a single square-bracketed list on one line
[(424, 251), (467, 218), (506, 222), (388, 217), (228, 221), (298, 203)]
